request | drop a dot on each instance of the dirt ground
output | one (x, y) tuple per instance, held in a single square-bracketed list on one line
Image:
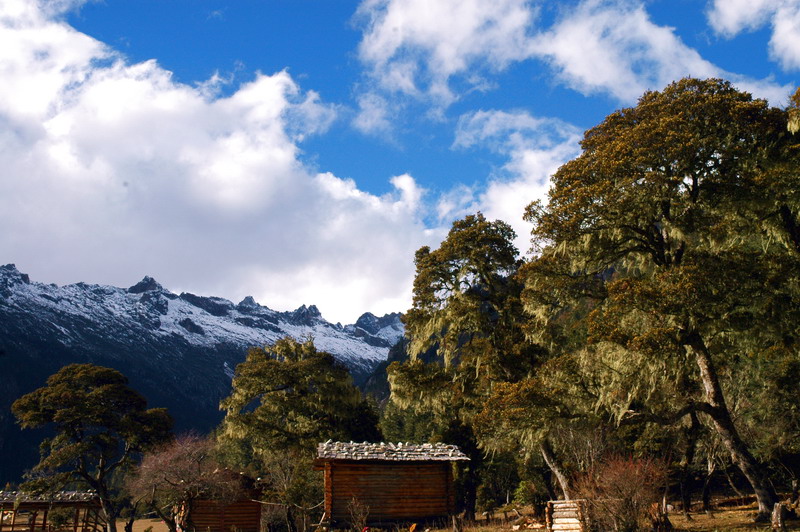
[(140, 525), (729, 519), (738, 518)]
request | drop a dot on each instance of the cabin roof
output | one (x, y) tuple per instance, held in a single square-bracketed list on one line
[(395, 452), (60, 496)]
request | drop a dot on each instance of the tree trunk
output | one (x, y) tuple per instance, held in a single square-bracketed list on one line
[(547, 477), (723, 423), (555, 466), (290, 521), (110, 515), (686, 464), (707, 486)]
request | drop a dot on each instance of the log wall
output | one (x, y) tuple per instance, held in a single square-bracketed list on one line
[(566, 516), (243, 516), (393, 491)]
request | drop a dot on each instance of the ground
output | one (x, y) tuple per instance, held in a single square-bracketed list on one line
[(736, 518), (140, 525), (727, 519)]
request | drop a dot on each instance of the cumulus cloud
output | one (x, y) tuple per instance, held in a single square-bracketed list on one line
[(731, 17), (535, 148), (437, 51), (113, 170), (613, 47), (414, 47)]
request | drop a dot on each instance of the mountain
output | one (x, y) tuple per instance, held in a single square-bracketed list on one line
[(179, 351)]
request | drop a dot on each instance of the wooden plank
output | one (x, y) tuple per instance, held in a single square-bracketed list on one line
[(567, 520)]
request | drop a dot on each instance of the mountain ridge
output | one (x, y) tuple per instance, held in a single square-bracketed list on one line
[(178, 350)]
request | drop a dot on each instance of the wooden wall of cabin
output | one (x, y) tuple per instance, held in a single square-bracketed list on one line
[(393, 491), (209, 516)]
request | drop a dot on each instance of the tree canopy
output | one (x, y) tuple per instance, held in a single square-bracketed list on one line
[(292, 396), (662, 223), (287, 398), (101, 428)]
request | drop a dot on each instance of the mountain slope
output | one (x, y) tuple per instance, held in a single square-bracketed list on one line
[(179, 351)]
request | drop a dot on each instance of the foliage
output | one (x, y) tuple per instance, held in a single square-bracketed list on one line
[(621, 490), (287, 398), (101, 428), (359, 513), (661, 237), (465, 335), (174, 475), (291, 396), (406, 424), (288, 478)]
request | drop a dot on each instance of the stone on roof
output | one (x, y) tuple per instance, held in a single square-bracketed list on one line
[(61, 496), (336, 450)]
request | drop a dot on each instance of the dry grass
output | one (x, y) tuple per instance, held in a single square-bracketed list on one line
[(140, 525), (726, 519), (729, 519), (733, 519)]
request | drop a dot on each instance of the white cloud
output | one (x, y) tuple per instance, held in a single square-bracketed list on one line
[(374, 115), (784, 46), (435, 51), (535, 148), (731, 17), (614, 47), (414, 47), (113, 170)]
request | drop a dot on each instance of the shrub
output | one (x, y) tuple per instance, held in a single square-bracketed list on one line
[(621, 492)]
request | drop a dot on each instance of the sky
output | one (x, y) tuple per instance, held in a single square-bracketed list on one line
[(300, 151)]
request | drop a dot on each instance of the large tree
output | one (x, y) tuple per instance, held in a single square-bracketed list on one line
[(661, 228), (291, 396), (101, 428), (287, 398), (465, 333)]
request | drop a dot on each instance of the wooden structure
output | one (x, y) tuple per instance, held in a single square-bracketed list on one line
[(392, 483), (567, 516), (20, 512), (212, 516)]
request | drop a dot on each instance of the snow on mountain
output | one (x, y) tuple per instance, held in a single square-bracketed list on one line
[(200, 321)]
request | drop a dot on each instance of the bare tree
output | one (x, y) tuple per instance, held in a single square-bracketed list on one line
[(172, 477)]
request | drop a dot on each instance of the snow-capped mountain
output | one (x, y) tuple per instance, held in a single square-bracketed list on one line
[(179, 351)]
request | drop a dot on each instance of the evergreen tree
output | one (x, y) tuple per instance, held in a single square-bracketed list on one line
[(101, 428), (466, 309), (661, 229), (286, 399)]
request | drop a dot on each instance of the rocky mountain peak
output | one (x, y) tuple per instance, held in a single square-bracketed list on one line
[(147, 284), (248, 304), (10, 276), (306, 315)]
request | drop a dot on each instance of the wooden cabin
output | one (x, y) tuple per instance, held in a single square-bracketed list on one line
[(23, 512), (393, 482), (212, 516)]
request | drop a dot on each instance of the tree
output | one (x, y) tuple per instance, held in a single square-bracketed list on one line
[(465, 333), (287, 398), (291, 396), (173, 476), (657, 226), (101, 428)]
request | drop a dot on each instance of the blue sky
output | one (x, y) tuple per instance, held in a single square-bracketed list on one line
[(300, 150)]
